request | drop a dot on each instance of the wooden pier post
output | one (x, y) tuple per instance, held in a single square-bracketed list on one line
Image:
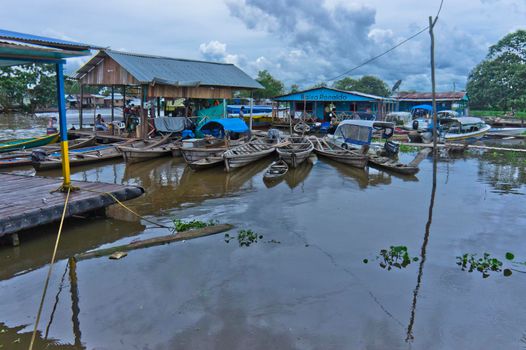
[(81, 107), (112, 103)]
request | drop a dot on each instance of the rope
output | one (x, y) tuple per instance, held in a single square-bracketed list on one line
[(129, 209), (50, 270)]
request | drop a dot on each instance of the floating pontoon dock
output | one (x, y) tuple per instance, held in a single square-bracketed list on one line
[(31, 201)]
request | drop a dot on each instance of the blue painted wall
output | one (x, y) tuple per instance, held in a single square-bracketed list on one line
[(323, 94)]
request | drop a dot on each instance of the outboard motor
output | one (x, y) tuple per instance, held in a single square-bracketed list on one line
[(391, 148), (415, 124), (274, 134), (38, 155)]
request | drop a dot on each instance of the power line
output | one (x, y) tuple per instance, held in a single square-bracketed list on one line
[(392, 48)]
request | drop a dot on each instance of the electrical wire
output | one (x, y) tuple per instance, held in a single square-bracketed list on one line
[(392, 48)]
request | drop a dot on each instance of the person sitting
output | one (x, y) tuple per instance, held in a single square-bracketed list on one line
[(100, 124), (242, 112)]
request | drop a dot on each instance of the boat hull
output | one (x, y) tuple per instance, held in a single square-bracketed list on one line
[(357, 161), (78, 158), (15, 145), (243, 155), (296, 152), (136, 156), (191, 155)]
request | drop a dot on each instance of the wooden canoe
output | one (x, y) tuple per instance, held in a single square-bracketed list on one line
[(338, 154), (205, 163), (296, 151), (23, 158), (148, 149), (208, 148), (14, 145), (276, 171), (77, 157), (395, 166), (247, 153)]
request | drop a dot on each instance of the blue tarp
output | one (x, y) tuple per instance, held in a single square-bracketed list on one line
[(228, 124), (426, 107)]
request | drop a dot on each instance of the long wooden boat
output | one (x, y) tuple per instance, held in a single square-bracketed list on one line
[(73, 144), (23, 158), (147, 149), (81, 156), (338, 154), (296, 151), (14, 145), (275, 172), (205, 163), (397, 167), (247, 153), (196, 149)]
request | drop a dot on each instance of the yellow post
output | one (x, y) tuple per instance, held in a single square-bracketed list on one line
[(63, 127), (65, 164)]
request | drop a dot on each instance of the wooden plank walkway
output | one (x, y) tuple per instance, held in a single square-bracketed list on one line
[(30, 201)]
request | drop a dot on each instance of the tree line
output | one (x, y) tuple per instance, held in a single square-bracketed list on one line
[(498, 82)]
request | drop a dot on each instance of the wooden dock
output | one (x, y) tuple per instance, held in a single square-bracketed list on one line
[(30, 201)]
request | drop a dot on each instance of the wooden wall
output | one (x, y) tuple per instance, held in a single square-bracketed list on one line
[(189, 92), (108, 72)]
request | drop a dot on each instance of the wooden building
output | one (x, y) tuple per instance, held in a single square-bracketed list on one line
[(157, 77), (457, 100)]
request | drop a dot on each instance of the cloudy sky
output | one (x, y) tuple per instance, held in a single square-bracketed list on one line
[(298, 41)]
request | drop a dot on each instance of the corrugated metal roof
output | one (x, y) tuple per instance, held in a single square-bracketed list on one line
[(421, 96), (40, 40), (181, 72)]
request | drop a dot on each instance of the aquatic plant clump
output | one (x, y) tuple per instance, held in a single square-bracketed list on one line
[(180, 225), (396, 256), (244, 237), (485, 264), (408, 149)]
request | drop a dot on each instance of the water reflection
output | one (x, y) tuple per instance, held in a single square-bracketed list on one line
[(423, 250), (504, 171), (368, 176), (81, 235)]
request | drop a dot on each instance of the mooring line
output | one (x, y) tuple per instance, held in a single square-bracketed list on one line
[(129, 209), (39, 314)]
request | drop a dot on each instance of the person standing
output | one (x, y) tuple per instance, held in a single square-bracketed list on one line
[(242, 113)]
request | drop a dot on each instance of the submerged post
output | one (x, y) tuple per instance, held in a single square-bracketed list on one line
[(63, 126)]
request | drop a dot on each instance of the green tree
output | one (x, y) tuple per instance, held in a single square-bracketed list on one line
[(346, 84), (367, 84), (499, 81), (319, 85), (30, 83), (272, 86), (294, 88)]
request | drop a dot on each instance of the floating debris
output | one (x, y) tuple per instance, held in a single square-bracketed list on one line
[(118, 255)]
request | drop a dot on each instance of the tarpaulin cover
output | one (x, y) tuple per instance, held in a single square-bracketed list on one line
[(170, 124), (228, 124), (426, 107)]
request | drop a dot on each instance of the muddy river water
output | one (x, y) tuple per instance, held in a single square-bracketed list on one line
[(304, 285)]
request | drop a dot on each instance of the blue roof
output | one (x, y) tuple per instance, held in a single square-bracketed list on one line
[(228, 124), (41, 40), (426, 107)]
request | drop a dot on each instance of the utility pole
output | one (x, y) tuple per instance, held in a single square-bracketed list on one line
[(431, 25)]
